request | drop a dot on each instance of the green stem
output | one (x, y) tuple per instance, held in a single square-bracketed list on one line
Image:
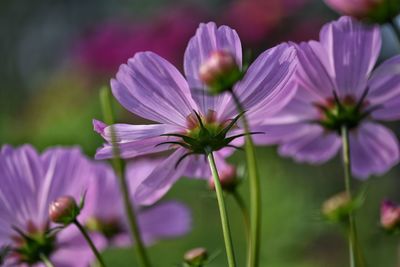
[(222, 210), (255, 191), (356, 255), (46, 261), (139, 247), (395, 28), (242, 206), (90, 242)]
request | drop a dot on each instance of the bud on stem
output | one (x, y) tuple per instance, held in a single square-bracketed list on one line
[(196, 257), (220, 72), (64, 210), (227, 177), (390, 216)]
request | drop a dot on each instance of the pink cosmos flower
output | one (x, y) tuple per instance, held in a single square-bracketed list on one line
[(164, 220), (337, 85), (113, 42), (390, 215), (355, 8), (29, 183), (189, 120)]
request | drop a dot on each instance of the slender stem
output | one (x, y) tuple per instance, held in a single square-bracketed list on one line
[(90, 242), (395, 28), (46, 260), (356, 255), (255, 191), (242, 206), (222, 210), (139, 247)]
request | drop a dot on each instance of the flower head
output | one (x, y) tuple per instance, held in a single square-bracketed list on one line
[(390, 216), (374, 10), (190, 121), (108, 219), (30, 182), (338, 86)]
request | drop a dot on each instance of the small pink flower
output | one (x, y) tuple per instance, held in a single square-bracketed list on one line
[(390, 215), (227, 177), (355, 8)]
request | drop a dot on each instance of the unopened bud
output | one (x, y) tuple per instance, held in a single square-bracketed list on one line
[(337, 207), (196, 257), (227, 178), (220, 72), (64, 210), (377, 11), (390, 215)]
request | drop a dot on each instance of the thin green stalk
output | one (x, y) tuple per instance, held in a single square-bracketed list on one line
[(90, 242), (222, 210), (139, 247), (255, 191), (46, 261), (242, 206), (356, 255), (395, 28)]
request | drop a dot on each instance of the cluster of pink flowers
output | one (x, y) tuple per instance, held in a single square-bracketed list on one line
[(296, 96)]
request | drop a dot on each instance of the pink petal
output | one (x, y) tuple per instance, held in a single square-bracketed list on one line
[(384, 91), (152, 88), (161, 179), (166, 220), (353, 48), (374, 150), (315, 147), (265, 87)]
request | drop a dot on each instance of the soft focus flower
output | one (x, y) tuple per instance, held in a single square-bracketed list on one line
[(196, 257), (113, 42), (337, 207), (374, 10), (164, 220), (390, 215), (190, 120), (256, 20), (29, 183), (228, 178), (337, 86)]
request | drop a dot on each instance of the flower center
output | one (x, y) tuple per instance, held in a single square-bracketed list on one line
[(346, 111), (28, 247), (204, 134), (109, 228)]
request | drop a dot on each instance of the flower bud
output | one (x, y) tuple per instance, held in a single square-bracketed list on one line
[(64, 210), (378, 11), (337, 207), (227, 177), (390, 215), (220, 72), (196, 257)]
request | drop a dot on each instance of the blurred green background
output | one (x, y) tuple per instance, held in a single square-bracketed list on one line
[(57, 54)]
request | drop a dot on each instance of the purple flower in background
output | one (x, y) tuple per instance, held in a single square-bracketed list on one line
[(165, 35), (355, 8), (390, 215), (251, 14), (29, 183), (338, 86), (149, 86), (381, 11), (163, 220)]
